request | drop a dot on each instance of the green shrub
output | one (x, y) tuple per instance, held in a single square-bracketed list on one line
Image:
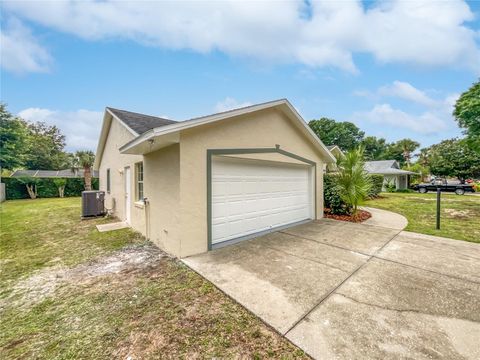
[(331, 196), (353, 181), (46, 187), (377, 184), (390, 186), (404, 191)]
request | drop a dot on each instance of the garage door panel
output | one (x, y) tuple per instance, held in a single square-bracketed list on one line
[(253, 197)]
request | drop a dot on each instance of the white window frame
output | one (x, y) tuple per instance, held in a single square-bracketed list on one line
[(139, 194)]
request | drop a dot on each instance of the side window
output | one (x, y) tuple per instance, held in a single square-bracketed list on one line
[(139, 181), (108, 180)]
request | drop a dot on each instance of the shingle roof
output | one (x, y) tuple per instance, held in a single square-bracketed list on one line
[(388, 167), (67, 173), (140, 123)]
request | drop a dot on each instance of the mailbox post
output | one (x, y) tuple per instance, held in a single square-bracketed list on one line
[(438, 207)]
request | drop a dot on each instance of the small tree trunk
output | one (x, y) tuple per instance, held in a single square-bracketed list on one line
[(32, 191), (61, 191), (88, 178)]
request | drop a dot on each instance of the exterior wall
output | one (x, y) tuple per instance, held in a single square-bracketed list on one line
[(258, 130), (162, 188), (396, 180), (116, 162)]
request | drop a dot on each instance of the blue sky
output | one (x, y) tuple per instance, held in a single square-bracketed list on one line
[(393, 68)]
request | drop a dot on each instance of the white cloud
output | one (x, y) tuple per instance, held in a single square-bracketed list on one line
[(435, 118), (81, 128), (408, 92), (21, 52), (385, 115), (421, 32), (229, 104)]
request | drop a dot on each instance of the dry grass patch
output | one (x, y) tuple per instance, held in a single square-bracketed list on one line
[(129, 300)]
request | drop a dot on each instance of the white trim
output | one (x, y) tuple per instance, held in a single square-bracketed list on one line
[(139, 204), (121, 122), (183, 125), (106, 124)]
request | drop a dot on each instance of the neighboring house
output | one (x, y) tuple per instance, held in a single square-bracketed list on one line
[(198, 184), (68, 173), (337, 152), (391, 171)]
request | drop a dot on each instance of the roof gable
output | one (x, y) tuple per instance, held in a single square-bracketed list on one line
[(379, 166), (170, 132), (139, 123)]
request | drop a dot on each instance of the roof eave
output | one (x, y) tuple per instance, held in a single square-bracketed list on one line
[(284, 104)]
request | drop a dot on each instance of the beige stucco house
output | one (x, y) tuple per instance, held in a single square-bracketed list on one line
[(198, 184)]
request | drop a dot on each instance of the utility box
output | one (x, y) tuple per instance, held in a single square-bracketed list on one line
[(93, 203)]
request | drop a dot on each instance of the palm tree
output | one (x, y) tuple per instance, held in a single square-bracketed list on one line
[(407, 146), (85, 160), (353, 181)]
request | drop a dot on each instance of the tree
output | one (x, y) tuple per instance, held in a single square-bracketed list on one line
[(354, 183), (31, 185), (60, 184), (467, 114), (85, 160), (454, 158), (14, 140), (345, 135), (423, 157), (401, 151), (407, 146), (46, 150), (375, 148)]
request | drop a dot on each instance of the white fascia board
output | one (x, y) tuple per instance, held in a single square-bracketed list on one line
[(107, 120), (121, 122), (311, 134), (102, 139), (187, 124), (183, 125)]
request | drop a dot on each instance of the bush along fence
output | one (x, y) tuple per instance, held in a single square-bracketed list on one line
[(16, 188)]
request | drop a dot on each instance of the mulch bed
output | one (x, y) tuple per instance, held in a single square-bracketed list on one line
[(362, 215)]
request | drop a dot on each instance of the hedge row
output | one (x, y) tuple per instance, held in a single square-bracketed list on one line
[(46, 188)]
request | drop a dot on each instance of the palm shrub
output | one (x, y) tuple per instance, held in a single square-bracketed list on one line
[(332, 198), (354, 183)]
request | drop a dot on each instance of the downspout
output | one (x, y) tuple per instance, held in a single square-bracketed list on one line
[(147, 218)]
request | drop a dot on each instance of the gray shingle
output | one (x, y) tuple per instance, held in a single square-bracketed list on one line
[(380, 166), (140, 123), (387, 167)]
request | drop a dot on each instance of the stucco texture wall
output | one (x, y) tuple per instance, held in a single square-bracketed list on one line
[(162, 188), (116, 162), (261, 129)]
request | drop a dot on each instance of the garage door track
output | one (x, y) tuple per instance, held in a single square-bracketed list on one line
[(341, 290)]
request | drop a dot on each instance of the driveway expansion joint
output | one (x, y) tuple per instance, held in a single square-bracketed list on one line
[(304, 258), (326, 243), (427, 270), (340, 284)]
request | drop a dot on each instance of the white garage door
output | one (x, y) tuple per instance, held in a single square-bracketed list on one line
[(251, 196)]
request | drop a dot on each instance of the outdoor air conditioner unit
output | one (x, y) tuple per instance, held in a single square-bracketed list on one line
[(93, 203)]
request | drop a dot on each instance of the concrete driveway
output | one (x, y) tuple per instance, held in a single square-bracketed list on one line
[(350, 291)]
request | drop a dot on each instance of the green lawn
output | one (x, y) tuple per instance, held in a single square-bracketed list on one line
[(460, 215), (60, 298)]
